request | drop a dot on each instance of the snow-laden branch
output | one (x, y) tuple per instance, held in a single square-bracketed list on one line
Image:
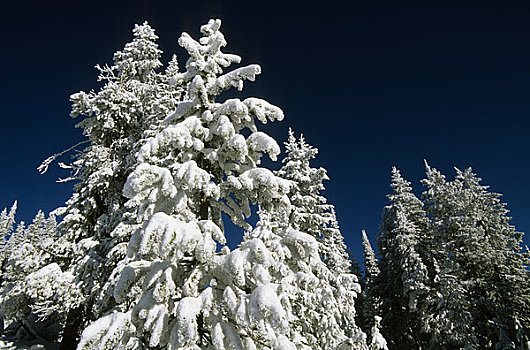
[(43, 168)]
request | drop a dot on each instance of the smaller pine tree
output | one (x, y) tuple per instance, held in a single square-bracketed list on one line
[(310, 213), (403, 283), (7, 223), (370, 301), (33, 286)]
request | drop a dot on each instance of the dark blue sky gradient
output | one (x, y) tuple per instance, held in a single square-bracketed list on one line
[(370, 85)]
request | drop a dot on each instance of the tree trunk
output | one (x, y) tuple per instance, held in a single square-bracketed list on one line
[(71, 329), (203, 208)]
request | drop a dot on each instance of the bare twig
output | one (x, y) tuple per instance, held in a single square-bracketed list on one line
[(46, 163)]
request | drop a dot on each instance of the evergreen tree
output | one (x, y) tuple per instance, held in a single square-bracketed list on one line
[(7, 222), (371, 264), (127, 109), (310, 211), (286, 263), (311, 214), (483, 280), (355, 265), (403, 282), (166, 289), (28, 247), (450, 321), (370, 305), (28, 300), (10, 262)]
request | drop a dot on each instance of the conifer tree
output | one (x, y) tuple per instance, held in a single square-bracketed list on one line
[(403, 282), (310, 211), (127, 109), (171, 287), (24, 285), (355, 265), (370, 261), (311, 214), (451, 322), (483, 279), (315, 309), (7, 222), (10, 254), (140, 259), (28, 247), (370, 302), (166, 289), (484, 256)]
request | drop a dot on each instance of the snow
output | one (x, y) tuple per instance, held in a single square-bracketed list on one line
[(186, 134), (143, 178), (164, 236), (225, 337), (263, 110), (235, 78), (265, 307), (237, 110), (184, 332), (43, 282), (223, 127), (106, 332), (263, 179), (304, 244), (190, 176), (283, 343), (208, 227), (263, 143)]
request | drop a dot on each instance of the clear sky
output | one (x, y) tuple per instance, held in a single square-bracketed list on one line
[(371, 86)]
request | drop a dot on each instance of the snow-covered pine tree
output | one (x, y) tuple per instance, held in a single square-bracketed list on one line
[(371, 264), (310, 211), (128, 108), (7, 223), (169, 285), (355, 266), (16, 238), (311, 214), (27, 299), (403, 282), (7, 220), (282, 266), (450, 322), (370, 303), (483, 258), (28, 247)]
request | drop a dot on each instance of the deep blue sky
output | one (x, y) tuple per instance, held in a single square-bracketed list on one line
[(371, 86)]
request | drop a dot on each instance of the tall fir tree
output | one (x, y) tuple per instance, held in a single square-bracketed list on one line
[(403, 282), (128, 108), (450, 321), (371, 264), (311, 214), (370, 306), (355, 265), (483, 280), (171, 287)]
